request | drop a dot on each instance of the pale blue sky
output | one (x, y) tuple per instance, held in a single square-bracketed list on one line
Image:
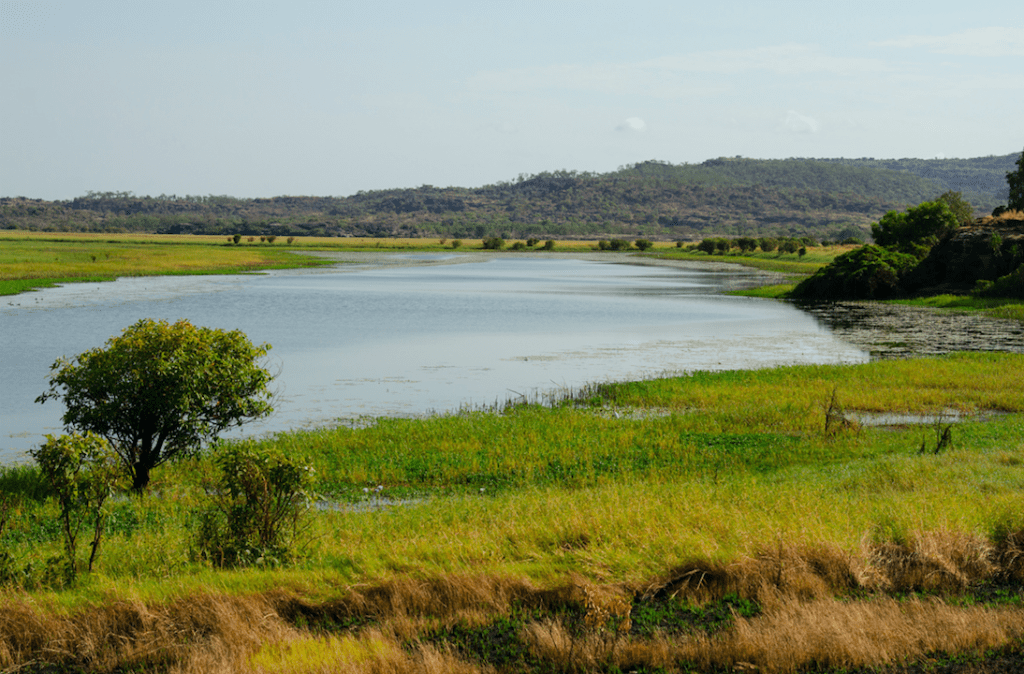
[(269, 98)]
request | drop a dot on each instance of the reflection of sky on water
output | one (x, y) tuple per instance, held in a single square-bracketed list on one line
[(378, 340)]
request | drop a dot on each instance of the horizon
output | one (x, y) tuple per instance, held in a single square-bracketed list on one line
[(254, 98), (132, 194)]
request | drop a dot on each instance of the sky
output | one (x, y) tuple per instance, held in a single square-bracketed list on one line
[(266, 98)]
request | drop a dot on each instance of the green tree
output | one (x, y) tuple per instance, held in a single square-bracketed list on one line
[(962, 209), (159, 391), (82, 473), (916, 230), (1015, 179)]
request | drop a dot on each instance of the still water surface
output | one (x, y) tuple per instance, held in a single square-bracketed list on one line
[(414, 334)]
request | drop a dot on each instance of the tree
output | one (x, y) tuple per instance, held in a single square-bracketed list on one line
[(961, 208), (916, 230), (1015, 179), (159, 391)]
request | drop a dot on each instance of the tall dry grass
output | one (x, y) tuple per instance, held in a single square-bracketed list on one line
[(819, 606)]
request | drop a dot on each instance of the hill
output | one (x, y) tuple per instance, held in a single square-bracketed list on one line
[(823, 198)]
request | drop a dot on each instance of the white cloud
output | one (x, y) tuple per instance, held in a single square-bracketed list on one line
[(797, 123), (631, 124), (992, 41)]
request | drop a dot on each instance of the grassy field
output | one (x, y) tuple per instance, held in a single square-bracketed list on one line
[(712, 522)]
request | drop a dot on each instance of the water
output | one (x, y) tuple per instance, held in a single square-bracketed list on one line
[(415, 334)]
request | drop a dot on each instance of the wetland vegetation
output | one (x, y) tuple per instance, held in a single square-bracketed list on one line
[(712, 522)]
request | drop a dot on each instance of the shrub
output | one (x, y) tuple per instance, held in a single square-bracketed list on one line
[(531, 242), (258, 500), (619, 244), (82, 473), (549, 244), (917, 230), (237, 238), (603, 244), (869, 272), (767, 244), (494, 243), (746, 243), (518, 245), (1011, 285), (456, 243), (643, 244)]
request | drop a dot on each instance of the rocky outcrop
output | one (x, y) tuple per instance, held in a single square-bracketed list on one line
[(983, 251)]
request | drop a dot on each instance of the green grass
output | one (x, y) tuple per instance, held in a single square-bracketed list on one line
[(722, 465), (28, 262), (785, 263)]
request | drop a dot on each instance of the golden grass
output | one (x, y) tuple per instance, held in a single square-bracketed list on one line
[(807, 618)]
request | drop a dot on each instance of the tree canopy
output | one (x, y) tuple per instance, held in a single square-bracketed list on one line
[(917, 229), (1015, 179), (160, 391)]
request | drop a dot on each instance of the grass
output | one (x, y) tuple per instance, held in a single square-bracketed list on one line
[(683, 523)]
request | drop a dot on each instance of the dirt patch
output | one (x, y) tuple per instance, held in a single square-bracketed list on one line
[(888, 331)]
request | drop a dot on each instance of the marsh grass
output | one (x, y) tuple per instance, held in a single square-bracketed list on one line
[(724, 527)]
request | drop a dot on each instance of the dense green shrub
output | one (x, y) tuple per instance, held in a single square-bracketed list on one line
[(1011, 285), (917, 229), (643, 244), (549, 244), (619, 244), (494, 243), (767, 244), (868, 272), (258, 500)]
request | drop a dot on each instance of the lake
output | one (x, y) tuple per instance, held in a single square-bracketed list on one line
[(412, 334)]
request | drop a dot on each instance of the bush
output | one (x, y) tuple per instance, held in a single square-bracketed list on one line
[(643, 244), (518, 245), (1011, 285), (917, 230), (869, 272), (746, 243), (549, 244), (619, 244), (259, 498), (531, 242), (456, 243), (767, 244), (82, 473), (493, 243)]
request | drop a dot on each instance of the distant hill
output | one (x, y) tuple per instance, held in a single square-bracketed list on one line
[(823, 198)]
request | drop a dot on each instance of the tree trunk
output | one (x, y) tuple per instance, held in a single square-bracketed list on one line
[(140, 477)]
